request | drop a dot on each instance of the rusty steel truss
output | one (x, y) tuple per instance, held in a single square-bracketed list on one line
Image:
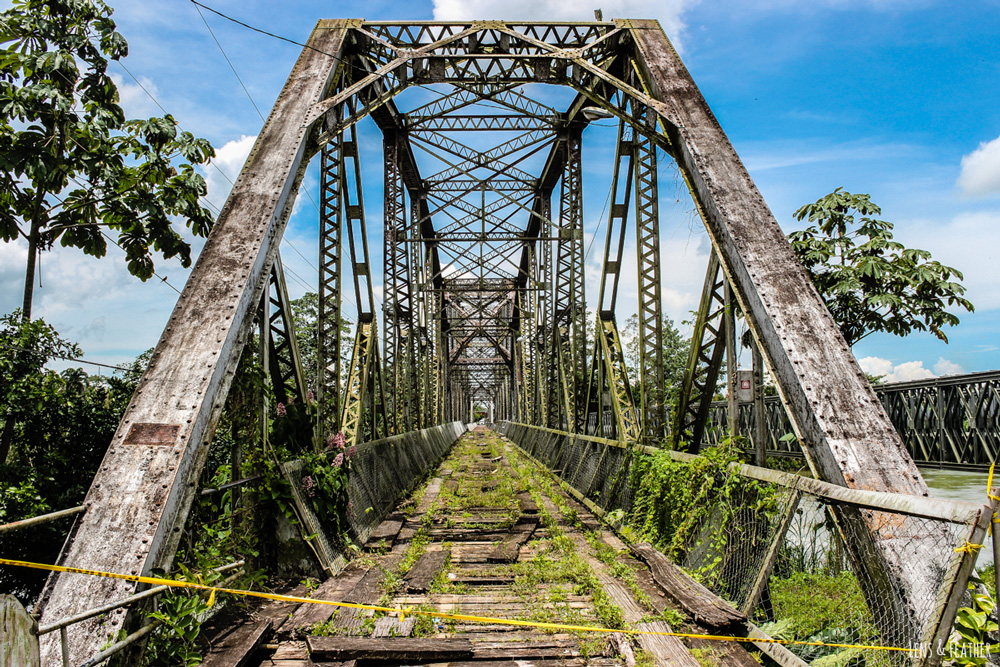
[(483, 297)]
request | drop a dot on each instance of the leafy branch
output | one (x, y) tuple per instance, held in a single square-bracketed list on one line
[(869, 281)]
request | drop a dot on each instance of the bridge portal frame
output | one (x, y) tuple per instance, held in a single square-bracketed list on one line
[(140, 499)]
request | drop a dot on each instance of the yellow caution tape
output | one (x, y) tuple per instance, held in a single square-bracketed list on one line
[(989, 494), (157, 581), (968, 548)]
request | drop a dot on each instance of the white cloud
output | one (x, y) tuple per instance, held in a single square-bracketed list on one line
[(948, 240), (946, 367), (13, 258), (763, 156), (229, 159), (134, 100), (668, 12), (904, 372), (69, 279), (980, 173)]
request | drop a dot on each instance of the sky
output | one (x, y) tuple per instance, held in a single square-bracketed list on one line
[(895, 98)]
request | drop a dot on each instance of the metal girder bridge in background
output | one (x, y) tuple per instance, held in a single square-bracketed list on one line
[(483, 293)]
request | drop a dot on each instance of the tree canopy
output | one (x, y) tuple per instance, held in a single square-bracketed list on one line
[(869, 281), (72, 167)]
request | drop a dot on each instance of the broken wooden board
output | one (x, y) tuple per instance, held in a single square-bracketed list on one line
[(367, 591), (700, 603), (422, 649), (308, 615), (510, 547), (427, 649), (290, 654), (386, 532), (526, 504), (422, 574), (391, 626), (280, 611), (235, 648)]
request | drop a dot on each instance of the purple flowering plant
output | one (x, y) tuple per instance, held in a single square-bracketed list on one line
[(327, 473)]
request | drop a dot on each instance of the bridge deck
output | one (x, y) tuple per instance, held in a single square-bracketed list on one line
[(490, 534)]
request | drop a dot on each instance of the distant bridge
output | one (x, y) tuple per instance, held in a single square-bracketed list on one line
[(952, 421)]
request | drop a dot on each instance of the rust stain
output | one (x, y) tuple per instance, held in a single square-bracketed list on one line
[(152, 434)]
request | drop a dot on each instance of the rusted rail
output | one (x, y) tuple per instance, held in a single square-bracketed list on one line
[(41, 519)]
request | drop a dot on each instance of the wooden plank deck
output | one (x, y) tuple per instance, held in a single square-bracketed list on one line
[(492, 536)]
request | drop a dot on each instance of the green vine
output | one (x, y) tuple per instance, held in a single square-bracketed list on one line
[(675, 501), (324, 475), (324, 482)]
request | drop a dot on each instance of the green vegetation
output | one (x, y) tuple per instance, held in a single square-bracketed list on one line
[(54, 430), (175, 641), (869, 281), (675, 354), (74, 168), (816, 602), (974, 626), (675, 501), (305, 312)]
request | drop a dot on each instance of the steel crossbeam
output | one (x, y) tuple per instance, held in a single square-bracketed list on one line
[(704, 361)]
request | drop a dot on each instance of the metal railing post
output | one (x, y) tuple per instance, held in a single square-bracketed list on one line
[(64, 646)]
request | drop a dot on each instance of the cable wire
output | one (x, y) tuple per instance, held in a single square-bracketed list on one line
[(249, 96), (66, 357)]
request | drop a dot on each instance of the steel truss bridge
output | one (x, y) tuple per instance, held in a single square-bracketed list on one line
[(483, 297)]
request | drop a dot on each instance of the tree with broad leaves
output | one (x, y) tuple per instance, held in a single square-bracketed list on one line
[(869, 281), (72, 167), (305, 312), (675, 353)]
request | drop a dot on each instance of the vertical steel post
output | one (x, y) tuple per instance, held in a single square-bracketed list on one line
[(729, 318), (759, 416), (570, 308), (328, 369), (647, 227), (396, 302), (547, 394)]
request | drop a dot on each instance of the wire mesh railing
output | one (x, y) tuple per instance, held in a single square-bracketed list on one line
[(805, 560), (382, 472)]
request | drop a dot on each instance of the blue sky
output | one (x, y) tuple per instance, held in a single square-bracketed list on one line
[(897, 99)]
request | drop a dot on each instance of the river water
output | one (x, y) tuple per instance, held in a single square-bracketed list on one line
[(961, 485)]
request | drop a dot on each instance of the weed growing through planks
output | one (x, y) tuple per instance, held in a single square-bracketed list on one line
[(368, 623), (672, 617), (327, 628), (706, 657), (414, 501), (417, 548), (424, 624), (568, 565), (643, 658)]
